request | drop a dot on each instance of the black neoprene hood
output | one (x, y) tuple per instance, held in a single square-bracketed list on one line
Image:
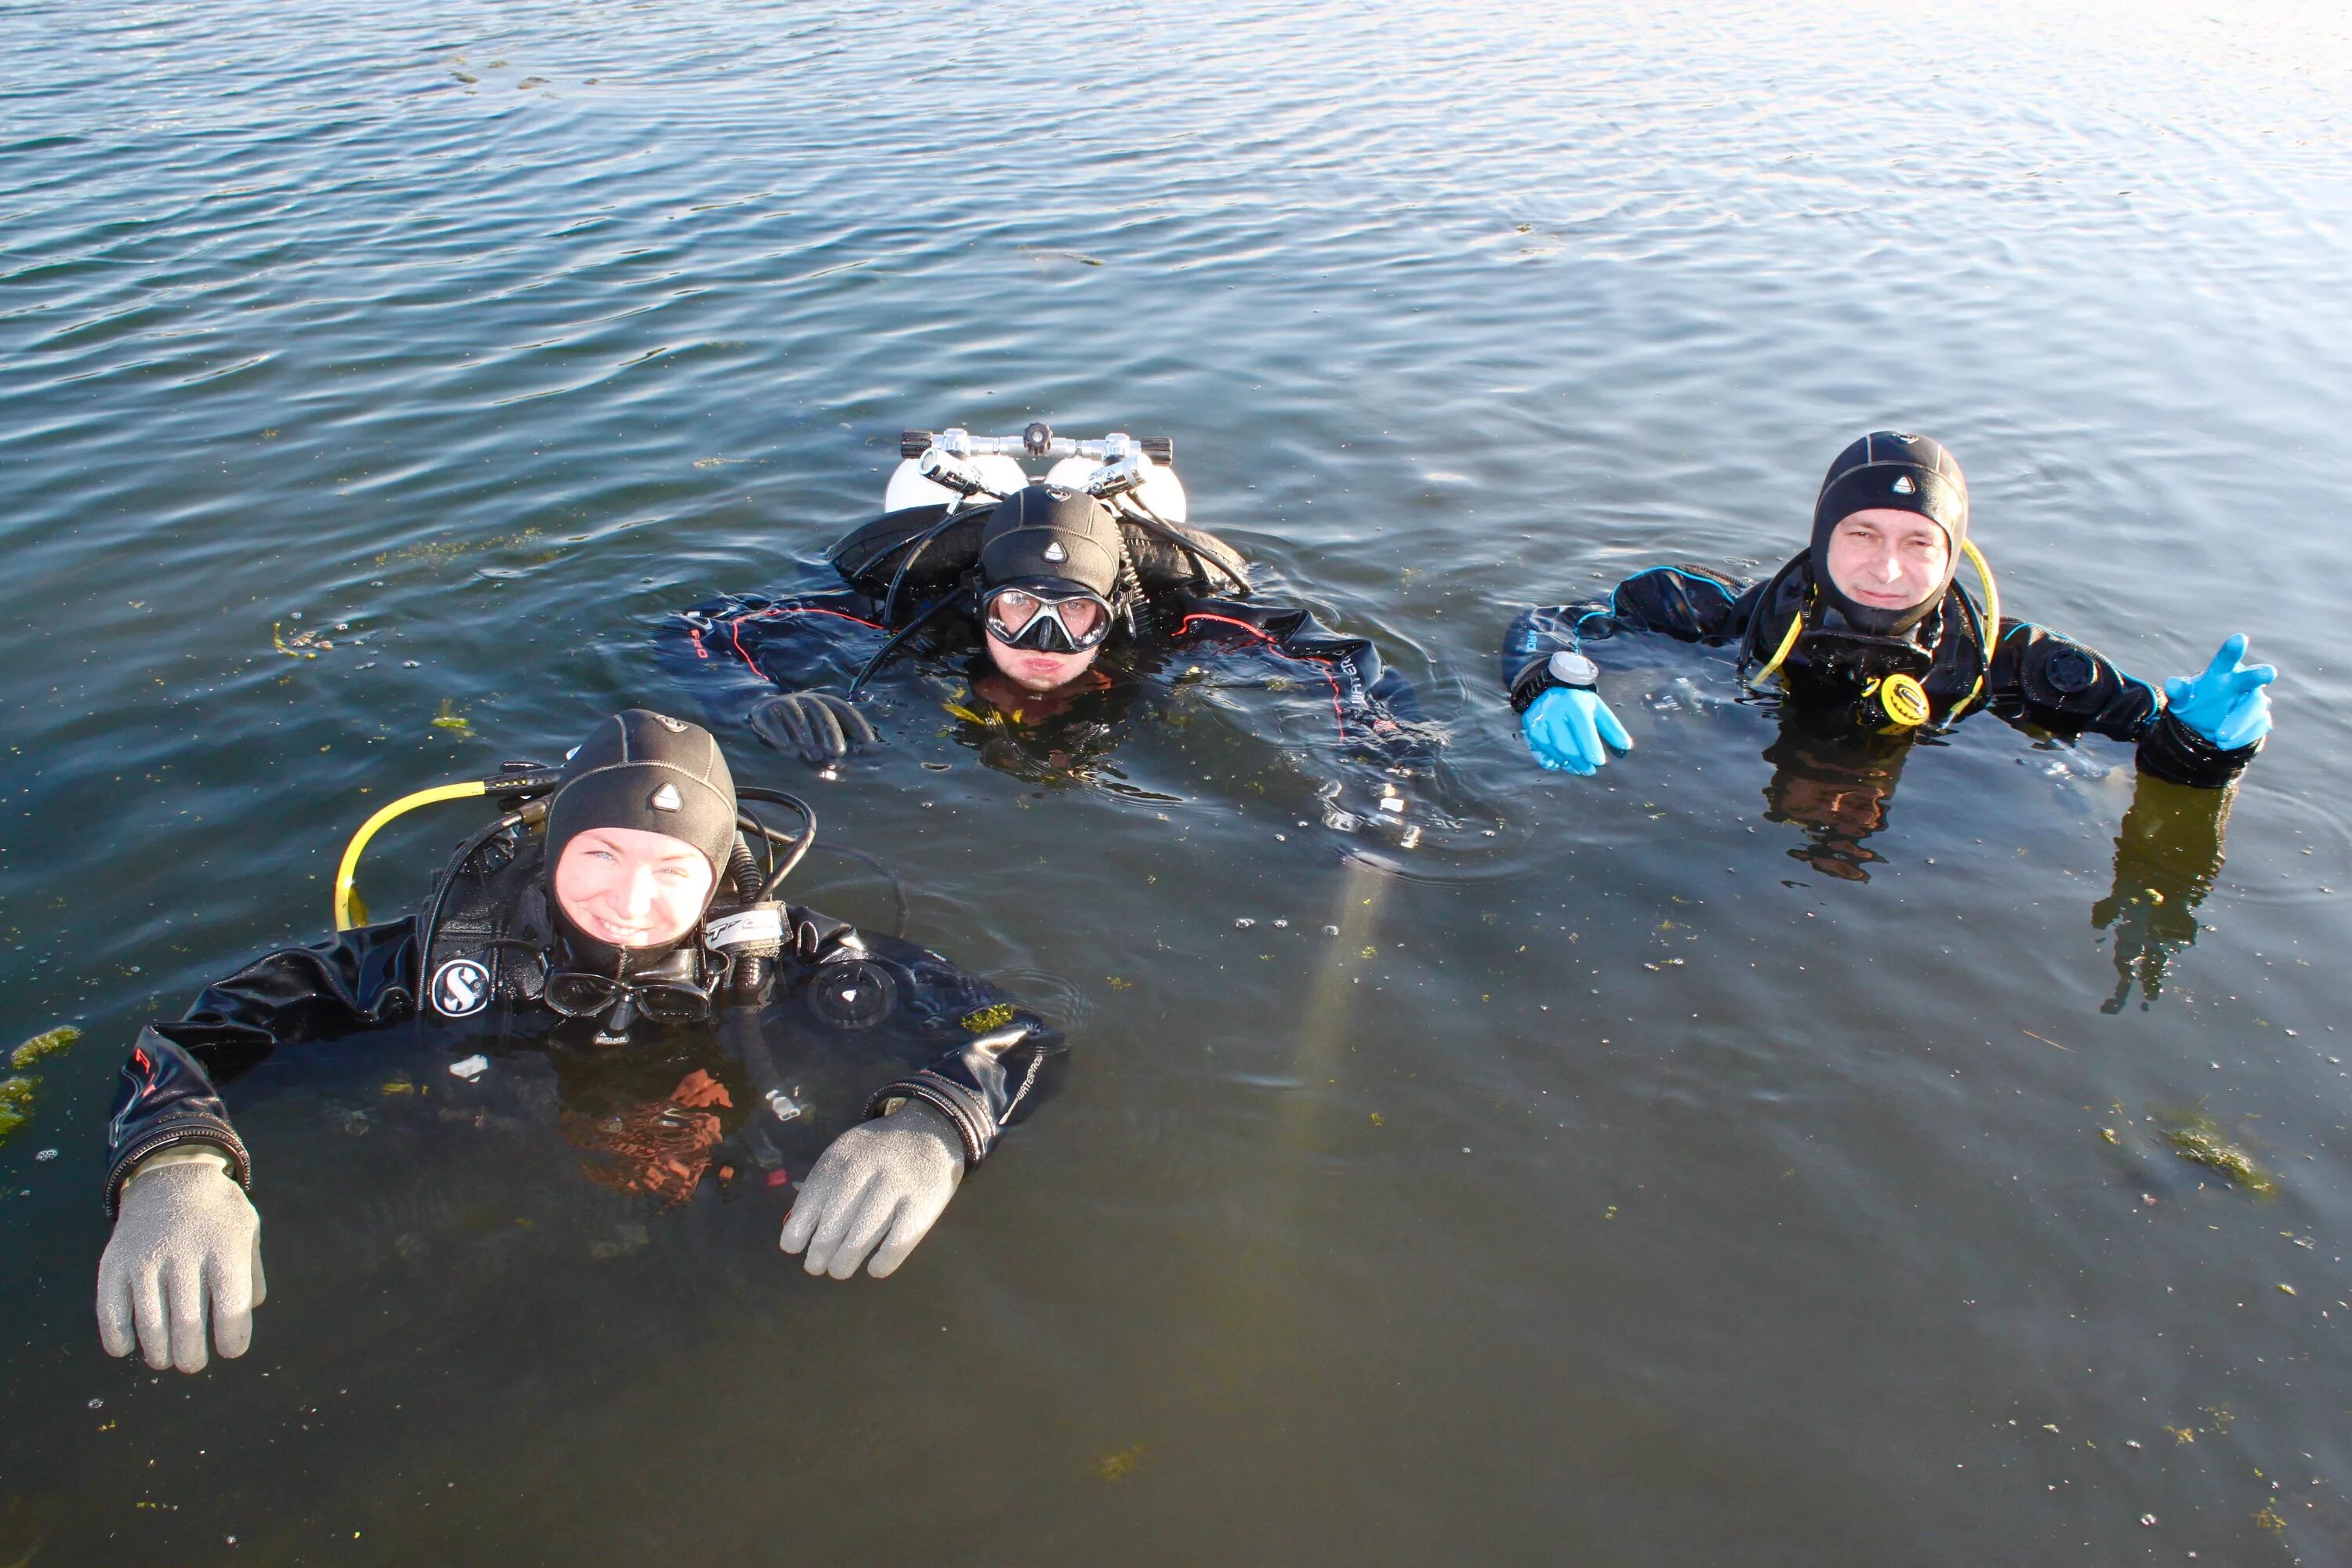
[(1040, 536), (646, 771), (1901, 472)]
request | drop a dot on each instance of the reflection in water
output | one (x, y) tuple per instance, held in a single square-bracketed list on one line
[(2168, 853), (1835, 782)]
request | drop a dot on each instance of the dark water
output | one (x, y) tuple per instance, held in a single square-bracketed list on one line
[(1642, 1185)]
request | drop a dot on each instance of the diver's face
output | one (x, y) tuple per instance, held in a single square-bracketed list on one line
[(1888, 560), (1039, 671), (631, 888)]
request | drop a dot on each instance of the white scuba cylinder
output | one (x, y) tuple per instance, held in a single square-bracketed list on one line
[(908, 487), (1161, 490)]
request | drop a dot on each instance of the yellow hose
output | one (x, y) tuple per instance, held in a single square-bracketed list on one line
[(349, 911), (1991, 625), (1796, 624), (1992, 593)]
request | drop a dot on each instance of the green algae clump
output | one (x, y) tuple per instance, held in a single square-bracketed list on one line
[(47, 1044), (15, 1104), (2196, 1139)]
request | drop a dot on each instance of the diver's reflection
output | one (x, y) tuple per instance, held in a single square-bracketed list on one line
[(1837, 784), (2168, 853), (1834, 782)]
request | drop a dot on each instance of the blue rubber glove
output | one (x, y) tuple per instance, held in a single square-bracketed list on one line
[(2227, 704), (1566, 727)]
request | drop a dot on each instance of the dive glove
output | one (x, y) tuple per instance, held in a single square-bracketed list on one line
[(186, 1238), (1567, 726), (2226, 704), (821, 727), (884, 1181)]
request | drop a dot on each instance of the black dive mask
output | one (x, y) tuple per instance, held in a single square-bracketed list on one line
[(1048, 619), (667, 987), (1889, 470)]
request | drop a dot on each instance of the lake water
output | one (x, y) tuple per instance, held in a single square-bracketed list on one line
[(1703, 1169)]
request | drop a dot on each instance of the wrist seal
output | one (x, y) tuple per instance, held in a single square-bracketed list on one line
[(2178, 754)]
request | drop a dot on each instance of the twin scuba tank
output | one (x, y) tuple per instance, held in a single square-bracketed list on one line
[(955, 468)]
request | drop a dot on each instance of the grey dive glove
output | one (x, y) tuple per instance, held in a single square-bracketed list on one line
[(882, 1181), (187, 1238), (821, 727)]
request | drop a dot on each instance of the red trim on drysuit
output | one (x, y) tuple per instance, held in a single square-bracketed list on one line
[(1274, 645), (734, 624)]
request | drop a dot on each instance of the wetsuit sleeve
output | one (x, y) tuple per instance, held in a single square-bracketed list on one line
[(2042, 679), (1688, 604), (362, 979), (1371, 706), (795, 642)]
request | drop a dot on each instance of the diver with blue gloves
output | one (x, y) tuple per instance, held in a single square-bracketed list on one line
[(614, 917), (1869, 632)]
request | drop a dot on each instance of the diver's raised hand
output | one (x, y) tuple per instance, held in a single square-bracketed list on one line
[(882, 1183), (2226, 704), (1571, 730), (186, 1238), (821, 727)]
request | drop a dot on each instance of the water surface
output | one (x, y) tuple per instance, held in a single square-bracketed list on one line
[(1644, 1186)]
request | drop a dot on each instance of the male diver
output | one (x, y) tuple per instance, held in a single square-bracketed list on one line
[(1054, 608), (628, 894), (1871, 636)]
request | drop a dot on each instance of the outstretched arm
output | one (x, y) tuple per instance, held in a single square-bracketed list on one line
[(186, 1254), (1554, 685), (881, 1185), (360, 979), (1373, 709), (2200, 732)]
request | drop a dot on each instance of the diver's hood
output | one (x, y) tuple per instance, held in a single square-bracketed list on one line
[(645, 770), (1902, 473), (1052, 539)]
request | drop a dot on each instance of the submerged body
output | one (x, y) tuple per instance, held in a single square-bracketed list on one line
[(1053, 615), (1867, 629), (623, 908)]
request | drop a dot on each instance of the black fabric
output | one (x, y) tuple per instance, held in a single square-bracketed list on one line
[(1900, 472), (643, 770), (1051, 539), (988, 1058), (1162, 559), (2030, 677)]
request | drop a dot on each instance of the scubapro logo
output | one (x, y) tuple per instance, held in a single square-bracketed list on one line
[(460, 987)]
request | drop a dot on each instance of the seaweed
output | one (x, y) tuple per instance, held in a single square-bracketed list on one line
[(2193, 1135), (46, 1044)]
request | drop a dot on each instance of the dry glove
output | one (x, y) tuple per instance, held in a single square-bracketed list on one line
[(186, 1236), (1567, 726), (821, 727), (882, 1181), (2225, 704)]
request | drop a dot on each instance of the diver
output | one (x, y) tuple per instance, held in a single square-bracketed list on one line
[(1869, 631), (618, 893), (1055, 605)]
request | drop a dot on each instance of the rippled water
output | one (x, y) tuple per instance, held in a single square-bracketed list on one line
[(1626, 1191)]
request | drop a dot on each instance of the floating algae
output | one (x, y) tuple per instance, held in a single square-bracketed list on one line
[(16, 1091), (450, 719), (2194, 1137), (47, 1044), (15, 1104)]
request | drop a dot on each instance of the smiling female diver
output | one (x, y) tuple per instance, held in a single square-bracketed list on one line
[(628, 894), (1868, 623)]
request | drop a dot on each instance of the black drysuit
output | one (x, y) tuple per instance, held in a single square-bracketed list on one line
[(835, 990), (2023, 673)]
